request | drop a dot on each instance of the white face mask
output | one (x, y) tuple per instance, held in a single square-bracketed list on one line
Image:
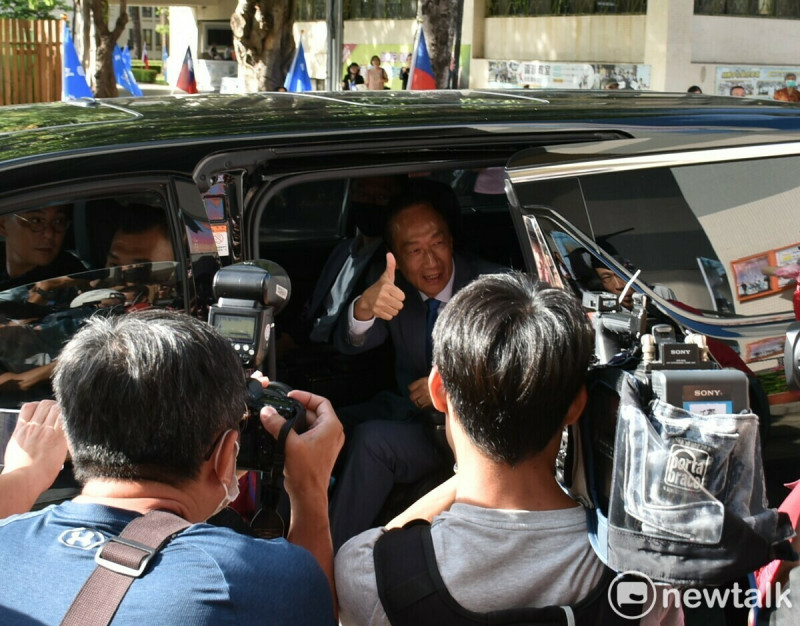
[(232, 487)]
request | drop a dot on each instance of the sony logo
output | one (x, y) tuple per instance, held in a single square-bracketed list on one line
[(708, 392), (681, 352)]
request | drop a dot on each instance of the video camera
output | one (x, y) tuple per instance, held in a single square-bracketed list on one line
[(249, 295), (677, 370)]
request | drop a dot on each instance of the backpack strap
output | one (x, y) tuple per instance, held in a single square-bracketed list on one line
[(121, 560), (411, 590)]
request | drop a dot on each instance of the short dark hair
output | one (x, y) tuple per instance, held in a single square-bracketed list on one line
[(145, 395), (513, 354), (140, 218), (694, 89), (435, 194)]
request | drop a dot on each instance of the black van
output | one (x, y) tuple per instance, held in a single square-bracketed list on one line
[(697, 195)]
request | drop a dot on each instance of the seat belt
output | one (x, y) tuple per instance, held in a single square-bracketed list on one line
[(121, 560)]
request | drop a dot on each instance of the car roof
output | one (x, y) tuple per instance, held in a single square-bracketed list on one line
[(186, 128)]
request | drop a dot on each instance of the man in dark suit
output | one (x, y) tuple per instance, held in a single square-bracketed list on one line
[(390, 442), (343, 271)]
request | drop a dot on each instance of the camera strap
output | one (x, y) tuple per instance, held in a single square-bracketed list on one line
[(120, 561)]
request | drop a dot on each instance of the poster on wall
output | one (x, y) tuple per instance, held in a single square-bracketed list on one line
[(758, 82), (763, 349), (766, 273), (548, 75)]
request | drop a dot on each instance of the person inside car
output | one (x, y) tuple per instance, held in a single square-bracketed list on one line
[(151, 404), (34, 242), (391, 440), (141, 236), (509, 365)]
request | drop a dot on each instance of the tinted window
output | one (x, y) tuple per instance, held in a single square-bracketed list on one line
[(67, 260), (712, 233), (305, 211)]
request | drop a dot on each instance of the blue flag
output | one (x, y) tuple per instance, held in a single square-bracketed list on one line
[(123, 75), (298, 79), (74, 83), (126, 57)]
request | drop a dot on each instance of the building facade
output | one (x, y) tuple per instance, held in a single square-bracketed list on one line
[(664, 45)]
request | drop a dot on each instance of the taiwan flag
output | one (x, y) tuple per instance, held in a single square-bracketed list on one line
[(421, 68), (186, 79)]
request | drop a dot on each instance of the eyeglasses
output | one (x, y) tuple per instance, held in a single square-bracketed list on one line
[(39, 224)]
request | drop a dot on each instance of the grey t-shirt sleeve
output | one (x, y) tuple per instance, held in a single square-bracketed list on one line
[(356, 588)]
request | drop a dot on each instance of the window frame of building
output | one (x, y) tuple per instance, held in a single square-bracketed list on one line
[(781, 9), (536, 8), (379, 9)]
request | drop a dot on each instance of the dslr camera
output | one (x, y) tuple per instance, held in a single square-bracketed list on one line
[(249, 295)]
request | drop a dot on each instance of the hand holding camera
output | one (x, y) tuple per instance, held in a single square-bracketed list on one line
[(310, 455)]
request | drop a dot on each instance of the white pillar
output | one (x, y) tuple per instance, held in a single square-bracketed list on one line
[(668, 44)]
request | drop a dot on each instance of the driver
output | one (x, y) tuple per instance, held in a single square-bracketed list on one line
[(141, 236)]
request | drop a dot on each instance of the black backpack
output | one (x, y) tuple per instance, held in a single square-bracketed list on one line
[(412, 591)]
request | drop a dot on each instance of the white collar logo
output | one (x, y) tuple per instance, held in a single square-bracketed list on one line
[(82, 538)]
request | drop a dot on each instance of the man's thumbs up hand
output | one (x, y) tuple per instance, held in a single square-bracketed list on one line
[(383, 299)]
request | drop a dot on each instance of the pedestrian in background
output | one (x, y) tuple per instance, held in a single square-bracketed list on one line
[(353, 78), (376, 75)]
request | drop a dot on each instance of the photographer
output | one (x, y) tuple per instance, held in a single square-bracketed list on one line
[(33, 457), (151, 404)]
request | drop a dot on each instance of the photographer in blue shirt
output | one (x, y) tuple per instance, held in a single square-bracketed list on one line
[(151, 403)]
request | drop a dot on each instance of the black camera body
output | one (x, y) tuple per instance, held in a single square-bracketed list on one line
[(249, 295), (258, 450)]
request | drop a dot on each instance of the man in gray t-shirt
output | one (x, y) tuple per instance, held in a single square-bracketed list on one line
[(509, 359)]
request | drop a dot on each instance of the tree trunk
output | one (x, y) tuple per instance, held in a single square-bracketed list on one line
[(263, 42), (136, 23), (86, 14), (439, 23), (163, 28), (104, 80)]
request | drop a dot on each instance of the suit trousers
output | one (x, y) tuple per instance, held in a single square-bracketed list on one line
[(381, 454)]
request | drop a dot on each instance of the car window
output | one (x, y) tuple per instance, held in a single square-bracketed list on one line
[(713, 233), (64, 261), (304, 211)]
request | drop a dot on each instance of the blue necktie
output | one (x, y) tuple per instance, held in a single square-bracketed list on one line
[(430, 319)]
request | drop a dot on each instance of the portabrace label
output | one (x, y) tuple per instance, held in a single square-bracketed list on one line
[(687, 465)]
